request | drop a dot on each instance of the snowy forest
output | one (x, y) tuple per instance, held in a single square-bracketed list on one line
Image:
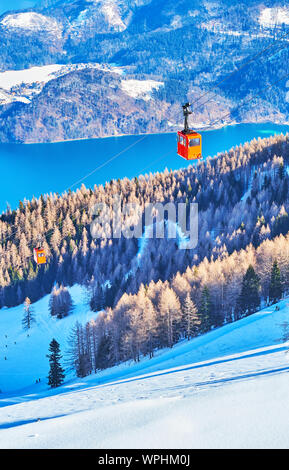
[(206, 296), (150, 293), (242, 197)]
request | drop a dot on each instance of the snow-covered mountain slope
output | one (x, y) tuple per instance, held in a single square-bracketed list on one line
[(228, 388), (31, 21), (242, 403), (25, 355), (154, 41), (23, 85)]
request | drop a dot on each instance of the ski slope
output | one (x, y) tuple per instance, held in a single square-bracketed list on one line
[(26, 351), (228, 388)]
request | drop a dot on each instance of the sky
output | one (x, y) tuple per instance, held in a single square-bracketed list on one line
[(6, 5)]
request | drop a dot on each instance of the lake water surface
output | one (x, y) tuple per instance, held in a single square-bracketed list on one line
[(29, 170)]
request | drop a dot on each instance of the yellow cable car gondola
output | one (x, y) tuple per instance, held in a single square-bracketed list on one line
[(189, 141)]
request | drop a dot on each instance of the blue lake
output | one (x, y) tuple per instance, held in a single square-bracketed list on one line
[(29, 170)]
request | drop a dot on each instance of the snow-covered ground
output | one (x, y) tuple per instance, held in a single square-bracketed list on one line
[(268, 18), (12, 78), (140, 89), (219, 28), (113, 17), (6, 98), (31, 21), (228, 388), (274, 16)]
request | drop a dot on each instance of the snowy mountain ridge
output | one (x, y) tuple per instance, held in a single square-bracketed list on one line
[(31, 21), (117, 14), (144, 37)]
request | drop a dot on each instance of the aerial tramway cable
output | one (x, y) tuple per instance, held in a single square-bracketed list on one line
[(86, 176), (85, 206), (211, 126), (249, 61), (216, 94), (119, 153), (99, 167)]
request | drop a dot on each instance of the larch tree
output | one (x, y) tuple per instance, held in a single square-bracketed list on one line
[(150, 326), (170, 314), (134, 337), (191, 318), (80, 349), (28, 317), (205, 309)]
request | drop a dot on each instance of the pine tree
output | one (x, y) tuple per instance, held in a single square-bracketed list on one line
[(56, 373), (281, 171), (275, 287), (28, 317), (205, 310), (103, 353), (191, 318), (249, 299)]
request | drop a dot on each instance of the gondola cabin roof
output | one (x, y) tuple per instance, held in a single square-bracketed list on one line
[(189, 133)]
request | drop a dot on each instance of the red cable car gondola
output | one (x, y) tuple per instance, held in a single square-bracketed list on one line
[(39, 253), (189, 141)]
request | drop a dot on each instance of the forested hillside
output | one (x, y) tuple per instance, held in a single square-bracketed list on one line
[(187, 48), (85, 103), (242, 197), (160, 314)]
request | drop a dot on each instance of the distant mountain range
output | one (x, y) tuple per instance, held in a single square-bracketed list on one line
[(125, 66)]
